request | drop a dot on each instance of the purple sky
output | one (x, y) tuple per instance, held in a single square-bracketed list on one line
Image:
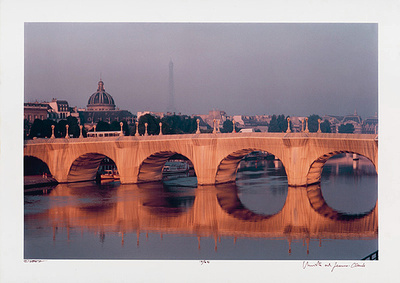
[(248, 69)]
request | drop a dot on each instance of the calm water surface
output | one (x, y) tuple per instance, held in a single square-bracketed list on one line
[(258, 218)]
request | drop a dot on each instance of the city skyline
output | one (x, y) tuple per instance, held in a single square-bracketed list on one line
[(243, 69)]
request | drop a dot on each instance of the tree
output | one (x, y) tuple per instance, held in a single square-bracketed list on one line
[(37, 129), (346, 128), (326, 127), (153, 127), (273, 125), (115, 126), (179, 124), (132, 129), (47, 126), (41, 128), (103, 126), (313, 123), (227, 127), (278, 124), (282, 123), (73, 129), (60, 130), (27, 127), (189, 125)]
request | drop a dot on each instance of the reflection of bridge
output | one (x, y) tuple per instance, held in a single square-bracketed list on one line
[(215, 156), (216, 212)]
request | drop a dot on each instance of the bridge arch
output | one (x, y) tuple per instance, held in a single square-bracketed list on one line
[(151, 168), (35, 166), (228, 166), (85, 167), (315, 170)]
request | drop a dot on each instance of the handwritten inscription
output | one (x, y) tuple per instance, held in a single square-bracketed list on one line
[(332, 266), (33, 260), (204, 262)]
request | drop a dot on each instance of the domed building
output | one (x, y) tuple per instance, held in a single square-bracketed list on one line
[(100, 100), (101, 107)]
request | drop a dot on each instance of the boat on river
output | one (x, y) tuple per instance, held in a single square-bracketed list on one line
[(107, 175), (174, 167)]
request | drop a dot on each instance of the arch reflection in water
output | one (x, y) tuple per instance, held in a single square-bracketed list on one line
[(127, 211), (349, 184), (262, 184), (229, 200), (166, 200), (319, 204)]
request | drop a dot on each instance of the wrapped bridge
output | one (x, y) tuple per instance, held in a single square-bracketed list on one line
[(215, 157)]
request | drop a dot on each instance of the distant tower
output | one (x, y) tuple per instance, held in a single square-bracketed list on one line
[(171, 104)]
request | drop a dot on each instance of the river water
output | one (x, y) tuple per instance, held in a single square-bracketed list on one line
[(258, 218)]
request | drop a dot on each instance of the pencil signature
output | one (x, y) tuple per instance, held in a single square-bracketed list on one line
[(332, 266), (33, 260)]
